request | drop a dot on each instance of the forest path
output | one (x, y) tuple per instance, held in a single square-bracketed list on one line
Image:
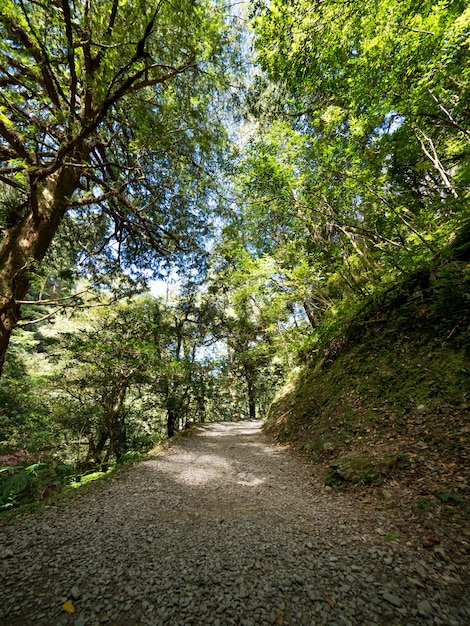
[(223, 528)]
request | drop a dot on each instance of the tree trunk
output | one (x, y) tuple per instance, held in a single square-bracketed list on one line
[(310, 314), (95, 451), (114, 419), (250, 383), (171, 420), (201, 408), (251, 404), (25, 244)]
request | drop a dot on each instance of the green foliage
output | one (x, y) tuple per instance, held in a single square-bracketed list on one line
[(346, 231), (130, 455), (20, 483), (354, 176), (425, 505), (332, 478), (449, 498)]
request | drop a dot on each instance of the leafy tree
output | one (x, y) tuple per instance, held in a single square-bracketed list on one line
[(184, 330), (251, 311), (105, 366), (107, 114), (374, 101), (357, 170)]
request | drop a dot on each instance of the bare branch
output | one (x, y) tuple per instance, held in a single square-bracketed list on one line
[(414, 30), (64, 307), (65, 300), (95, 199), (12, 183), (23, 323), (430, 151)]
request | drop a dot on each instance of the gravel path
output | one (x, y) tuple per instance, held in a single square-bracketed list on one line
[(223, 528)]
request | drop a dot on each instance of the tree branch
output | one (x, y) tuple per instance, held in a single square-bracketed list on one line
[(414, 30), (432, 155), (38, 51), (15, 141), (70, 54)]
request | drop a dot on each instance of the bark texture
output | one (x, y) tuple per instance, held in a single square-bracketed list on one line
[(25, 244)]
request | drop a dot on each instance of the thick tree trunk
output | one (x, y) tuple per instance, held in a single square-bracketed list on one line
[(99, 448), (25, 244), (113, 429), (114, 420)]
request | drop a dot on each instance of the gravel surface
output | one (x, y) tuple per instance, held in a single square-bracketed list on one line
[(220, 529)]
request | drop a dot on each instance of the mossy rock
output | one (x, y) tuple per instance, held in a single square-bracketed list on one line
[(360, 469)]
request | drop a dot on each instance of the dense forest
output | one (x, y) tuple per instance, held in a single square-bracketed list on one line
[(296, 173)]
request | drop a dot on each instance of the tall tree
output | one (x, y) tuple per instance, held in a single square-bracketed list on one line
[(104, 110), (374, 102), (358, 166), (251, 311)]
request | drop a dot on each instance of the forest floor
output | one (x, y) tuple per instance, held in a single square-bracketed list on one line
[(224, 528)]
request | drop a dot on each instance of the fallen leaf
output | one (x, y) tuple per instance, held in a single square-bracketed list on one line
[(68, 606), (330, 601)]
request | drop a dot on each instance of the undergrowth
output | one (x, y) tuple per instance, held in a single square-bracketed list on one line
[(390, 378), (22, 486)]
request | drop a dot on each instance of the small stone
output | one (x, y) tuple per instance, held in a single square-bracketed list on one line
[(75, 593), (421, 571), (424, 608), (441, 553), (80, 621), (392, 599)]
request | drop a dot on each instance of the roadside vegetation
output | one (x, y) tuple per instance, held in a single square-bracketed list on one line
[(299, 175)]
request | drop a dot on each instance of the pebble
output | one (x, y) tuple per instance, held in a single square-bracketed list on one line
[(392, 599), (213, 533), (424, 608)]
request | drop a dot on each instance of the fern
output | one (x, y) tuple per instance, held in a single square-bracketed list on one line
[(15, 485)]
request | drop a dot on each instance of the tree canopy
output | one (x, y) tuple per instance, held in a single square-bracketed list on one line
[(297, 164), (111, 114)]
